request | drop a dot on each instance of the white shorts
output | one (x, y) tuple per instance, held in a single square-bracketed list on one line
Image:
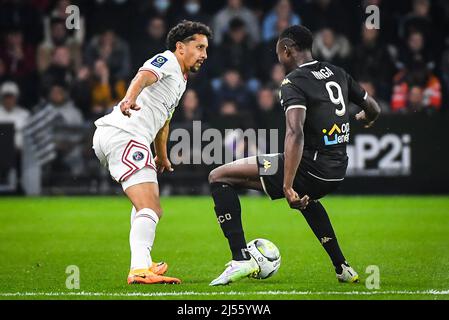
[(128, 157)]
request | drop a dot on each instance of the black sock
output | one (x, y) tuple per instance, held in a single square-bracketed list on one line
[(318, 220), (227, 209)]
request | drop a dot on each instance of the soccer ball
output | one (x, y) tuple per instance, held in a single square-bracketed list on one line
[(267, 256)]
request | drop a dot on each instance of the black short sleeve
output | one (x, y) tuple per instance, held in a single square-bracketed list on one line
[(291, 95), (356, 93)]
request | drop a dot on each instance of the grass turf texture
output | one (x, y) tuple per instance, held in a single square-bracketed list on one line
[(405, 236)]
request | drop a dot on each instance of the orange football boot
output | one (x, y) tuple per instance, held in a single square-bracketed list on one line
[(159, 268), (143, 276)]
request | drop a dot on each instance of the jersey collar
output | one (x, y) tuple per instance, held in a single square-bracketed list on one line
[(307, 63)]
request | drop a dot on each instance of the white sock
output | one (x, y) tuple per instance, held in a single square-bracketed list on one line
[(133, 214), (141, 238)]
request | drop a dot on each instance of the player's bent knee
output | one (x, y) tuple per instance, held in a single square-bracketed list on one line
[(157, 210), (215, 176), (220, 175), (145, 195)]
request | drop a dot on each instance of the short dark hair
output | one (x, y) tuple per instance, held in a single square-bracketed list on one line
[(184, 32), (300, 35)]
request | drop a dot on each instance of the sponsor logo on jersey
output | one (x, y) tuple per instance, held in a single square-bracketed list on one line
[(159, 61), (137, 156), (336, 134)]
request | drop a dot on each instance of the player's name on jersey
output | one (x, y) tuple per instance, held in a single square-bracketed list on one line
[(322, 73)]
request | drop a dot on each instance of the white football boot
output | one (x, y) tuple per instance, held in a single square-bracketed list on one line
[(235, 271), (348, 274)]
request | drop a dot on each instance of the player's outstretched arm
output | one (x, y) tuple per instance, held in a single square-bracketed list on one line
[(160, 146), (370, 112), (294, 143), (142, 80)]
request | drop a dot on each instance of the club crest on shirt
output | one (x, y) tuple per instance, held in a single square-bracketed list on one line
[(285, 81), (137, 156), (159, 61), (266, 164)]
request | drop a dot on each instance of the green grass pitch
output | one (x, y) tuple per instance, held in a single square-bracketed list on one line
[(406, 237)]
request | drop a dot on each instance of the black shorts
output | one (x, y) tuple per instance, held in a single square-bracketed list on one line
[(318, 174)]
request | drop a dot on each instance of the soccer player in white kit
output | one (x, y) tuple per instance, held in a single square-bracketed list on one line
[(122, 139)]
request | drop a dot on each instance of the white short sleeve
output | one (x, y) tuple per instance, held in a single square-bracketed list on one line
[(159, 65)]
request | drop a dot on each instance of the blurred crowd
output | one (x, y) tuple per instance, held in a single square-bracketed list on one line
[(83, 72)]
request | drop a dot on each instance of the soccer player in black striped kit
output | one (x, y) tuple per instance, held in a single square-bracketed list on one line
[(315, 96)]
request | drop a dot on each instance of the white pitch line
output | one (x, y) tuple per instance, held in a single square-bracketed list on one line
[(222, 293)]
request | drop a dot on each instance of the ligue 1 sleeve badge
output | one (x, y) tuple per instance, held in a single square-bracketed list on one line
[(137, 156), (159, 61)]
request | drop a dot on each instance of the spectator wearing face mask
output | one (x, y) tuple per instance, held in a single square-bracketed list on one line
[(166, 9), (191, 10), (162, 6)]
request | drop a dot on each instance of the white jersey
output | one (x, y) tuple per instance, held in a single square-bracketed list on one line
[(157, 101)]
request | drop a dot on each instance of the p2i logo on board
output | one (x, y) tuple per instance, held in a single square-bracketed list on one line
[(386, 155)]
